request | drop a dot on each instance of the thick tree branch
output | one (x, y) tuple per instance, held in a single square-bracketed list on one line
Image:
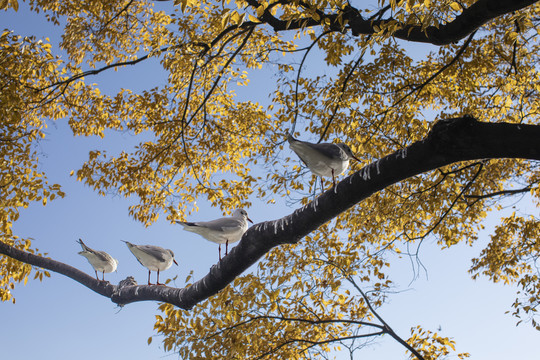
[(101, 287), (463, 25), (450, 141)]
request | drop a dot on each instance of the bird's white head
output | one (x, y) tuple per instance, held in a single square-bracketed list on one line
[(172, 255), (243, 213), (348, 151)]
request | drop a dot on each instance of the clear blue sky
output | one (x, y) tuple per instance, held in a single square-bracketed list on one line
[(61, 319)]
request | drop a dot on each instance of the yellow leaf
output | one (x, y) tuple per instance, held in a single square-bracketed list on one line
[(236, 18), (253, 18), (455, 6)]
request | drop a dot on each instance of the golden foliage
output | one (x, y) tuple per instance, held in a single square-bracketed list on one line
[(196, 139), (432, 346)]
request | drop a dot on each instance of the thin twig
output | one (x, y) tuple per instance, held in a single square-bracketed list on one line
[(313, 322), (115, 16), (342, 91), (440, 220), (499, 193), (298, 77)]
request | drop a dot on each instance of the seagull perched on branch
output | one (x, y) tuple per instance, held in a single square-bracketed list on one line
[(325, 159), (221, 231), (154, 258), (100, 260)]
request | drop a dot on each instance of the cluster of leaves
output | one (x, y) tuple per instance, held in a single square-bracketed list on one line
[(14, 271), (26, 65), (196, 139), (512, 258), (289, 315), (432, 345)]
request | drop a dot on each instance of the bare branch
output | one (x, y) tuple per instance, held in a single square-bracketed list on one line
[(500, 193), (343, 87), (450, 207), (308, 49), (385, 327), (281, 318), (102, 288), (319, 342), (116, 15), (438, 72)]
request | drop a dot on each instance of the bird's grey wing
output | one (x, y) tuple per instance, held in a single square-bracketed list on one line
[(301, 148), (223, 225), (331, 151), (304, 149), (300, 157), (102, 256), (153, 251)]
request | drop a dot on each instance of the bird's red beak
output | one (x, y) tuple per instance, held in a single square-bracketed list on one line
[(174, 261), (355, 158), (249, 220)]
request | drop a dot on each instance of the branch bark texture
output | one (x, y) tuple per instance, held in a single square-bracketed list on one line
[(464, 24), (450, 141)]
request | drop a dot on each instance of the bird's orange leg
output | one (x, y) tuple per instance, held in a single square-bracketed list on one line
[(157, 283)]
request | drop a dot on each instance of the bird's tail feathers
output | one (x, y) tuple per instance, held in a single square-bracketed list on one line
[(83, 245), (186, 223)]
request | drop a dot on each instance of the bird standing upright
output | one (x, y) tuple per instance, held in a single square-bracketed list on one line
[(154, 258), (325, 159), (221, 231), (100, 260)]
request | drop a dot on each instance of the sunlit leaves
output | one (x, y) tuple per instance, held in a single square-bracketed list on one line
[(14, 271), (195, 140), (26, 65), (6, 4), (512, 257), (282, 319), (431, 345)]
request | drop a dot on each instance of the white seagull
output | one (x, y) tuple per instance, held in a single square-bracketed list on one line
[(325, 159), (154, 258), (221, 231), (100, 260)]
